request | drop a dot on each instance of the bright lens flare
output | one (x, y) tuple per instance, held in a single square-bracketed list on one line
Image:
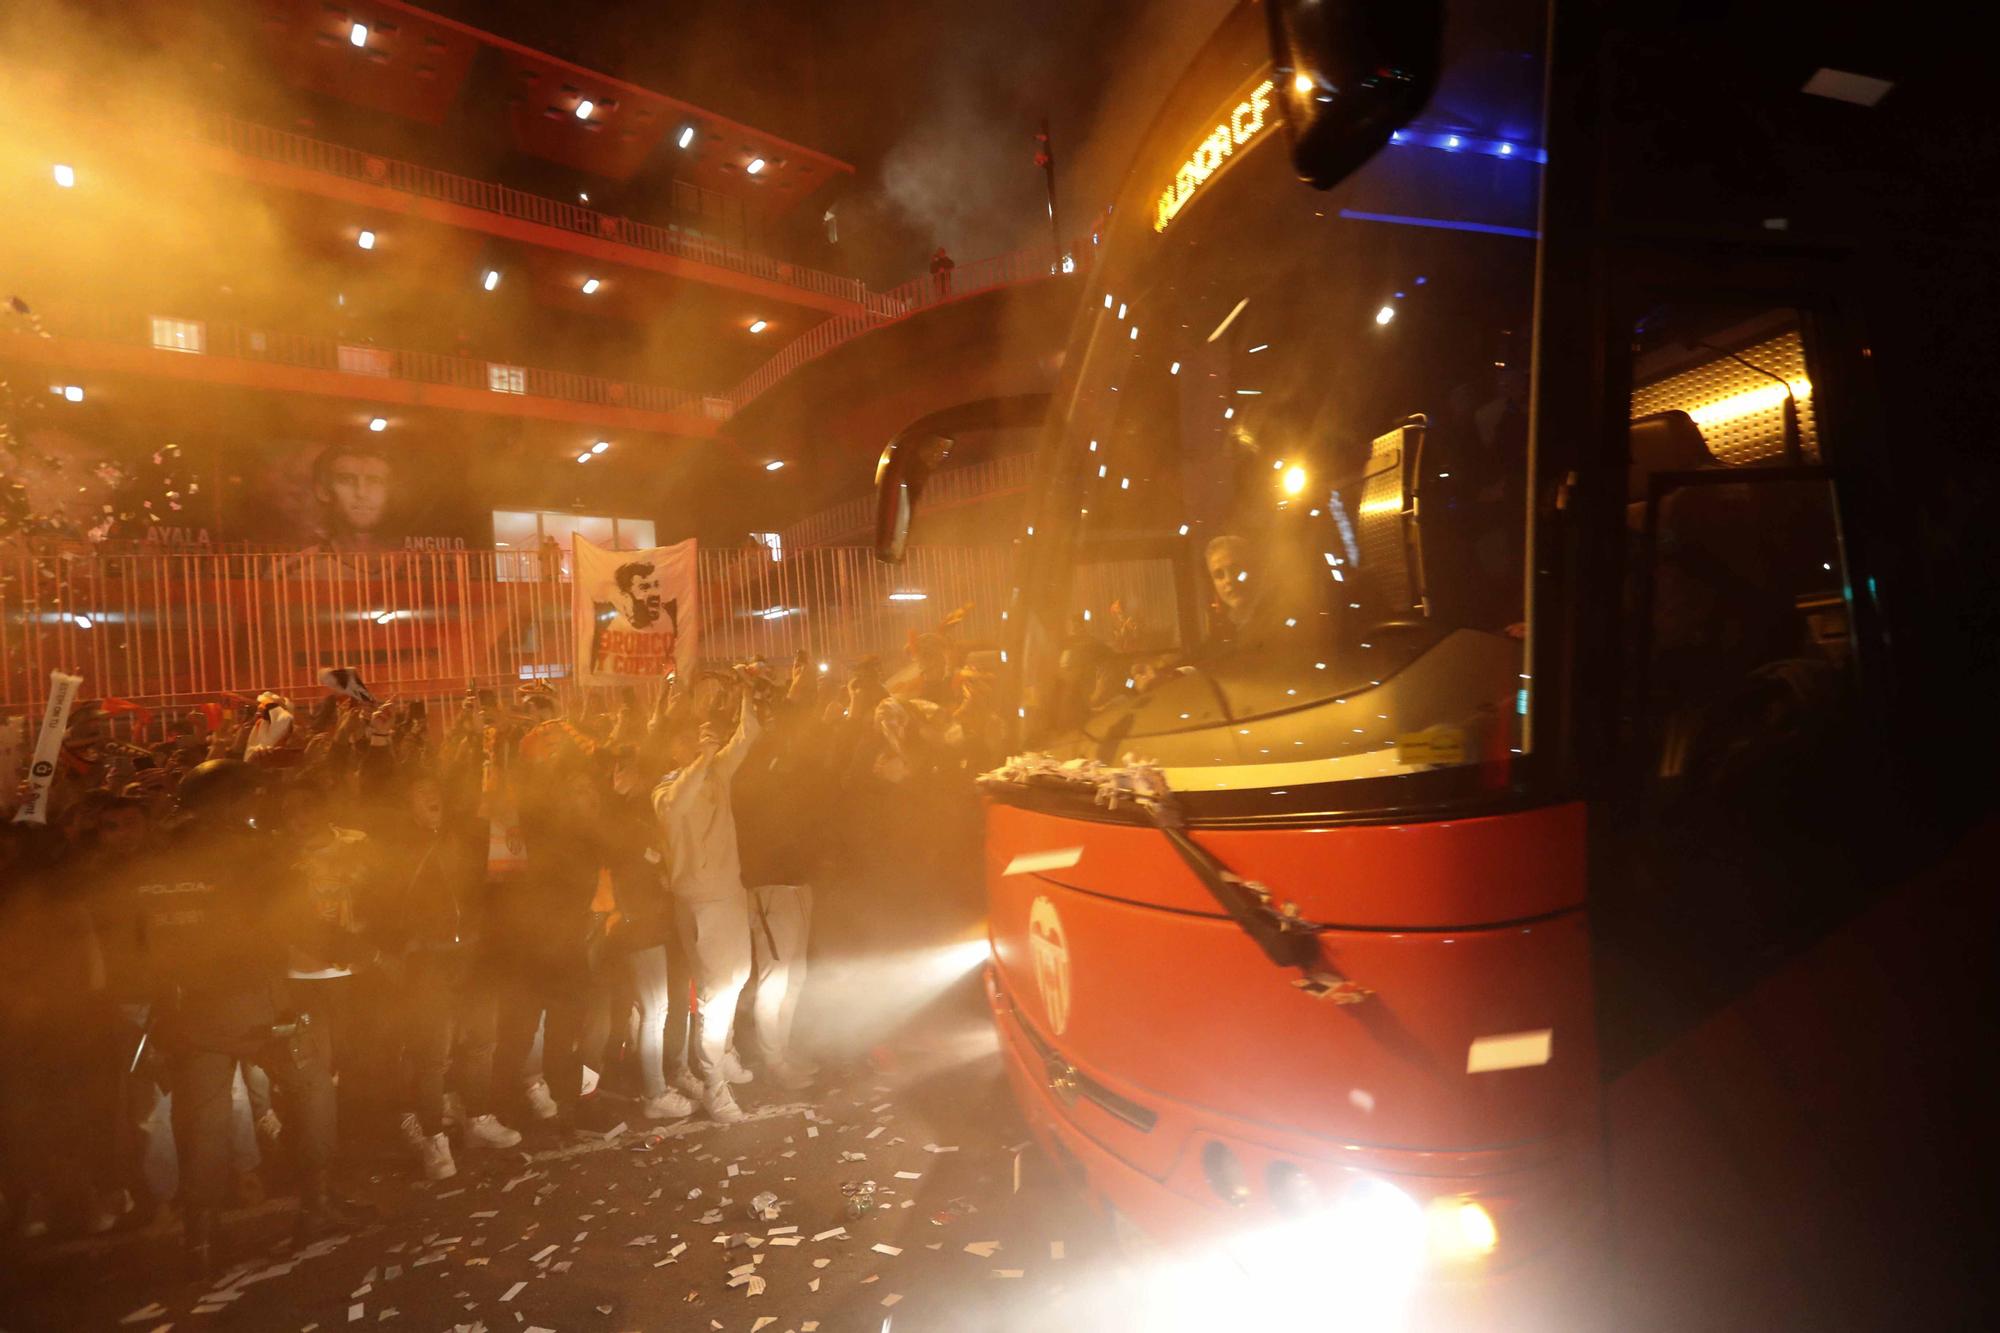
[(1748, 403), (1295, 481), (1302, 83)]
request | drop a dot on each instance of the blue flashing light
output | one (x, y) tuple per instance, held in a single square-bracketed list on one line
[(1461, 143), (1446, 224), (1421, 279)]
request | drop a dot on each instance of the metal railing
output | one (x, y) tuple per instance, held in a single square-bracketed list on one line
[(365, 360), (905, 299), (854, 519), (274, 145), (174, 629)]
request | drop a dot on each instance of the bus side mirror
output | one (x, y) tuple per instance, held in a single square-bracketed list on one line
[(906, 464), (1349, 74)]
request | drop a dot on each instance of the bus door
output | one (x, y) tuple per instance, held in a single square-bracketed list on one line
[(1747, 794)]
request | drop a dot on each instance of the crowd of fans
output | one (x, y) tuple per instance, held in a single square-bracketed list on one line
[(249, 954)]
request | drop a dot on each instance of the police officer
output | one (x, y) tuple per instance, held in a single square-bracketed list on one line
[(217, 970)]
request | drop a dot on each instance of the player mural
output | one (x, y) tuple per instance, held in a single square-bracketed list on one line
[(635, 612)]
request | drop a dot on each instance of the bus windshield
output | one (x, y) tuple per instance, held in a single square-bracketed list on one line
[(1281, 533)]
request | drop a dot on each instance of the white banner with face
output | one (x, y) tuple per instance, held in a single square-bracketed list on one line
[(48, 748), (635, 612)]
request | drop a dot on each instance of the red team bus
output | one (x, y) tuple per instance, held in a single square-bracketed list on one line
[(1452, 648)]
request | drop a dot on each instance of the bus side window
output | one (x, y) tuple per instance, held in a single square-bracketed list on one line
[(1739, 731)]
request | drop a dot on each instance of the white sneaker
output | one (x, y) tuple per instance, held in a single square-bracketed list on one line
[(486, 1131), (589, 1080), (789, 1076), (436, 1155), (412, 1131), (685, 1082), (669, 1105), (733, 1070), (539, 1100), (721, 1105), (454, 1111)]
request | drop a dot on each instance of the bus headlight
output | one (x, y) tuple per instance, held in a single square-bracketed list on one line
[(1461, 1230), (1224, 1173)]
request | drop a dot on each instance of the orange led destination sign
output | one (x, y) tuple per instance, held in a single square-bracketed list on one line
[(1237, 127)]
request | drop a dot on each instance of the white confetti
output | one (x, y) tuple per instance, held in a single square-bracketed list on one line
[(513, 1291), (880, 1248), (982, 1248)]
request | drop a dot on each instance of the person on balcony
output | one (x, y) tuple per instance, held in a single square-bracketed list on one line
[(941, 266)]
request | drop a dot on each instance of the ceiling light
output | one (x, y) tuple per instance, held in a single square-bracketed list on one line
[(73, 392), (80, 620), (774, 465), (909, 596), (759, 325), (1385, 314), (491, 280), (584, 108), (1295, 481), (600, 446), (357, 35), (378, 423), (584, 457), (1302, 82), (583, 196), (65, 175), (366, 240), (756, 165), (590, 286), (686, 136)]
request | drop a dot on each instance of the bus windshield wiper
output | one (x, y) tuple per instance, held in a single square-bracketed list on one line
[(1285, 937)]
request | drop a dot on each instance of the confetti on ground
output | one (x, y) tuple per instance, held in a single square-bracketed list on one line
[(983, 1248), (1008, 1272), (513, 1291), (831, 1231), (909, 1175), (932, 1147), (892, 1298), (880, 1248)]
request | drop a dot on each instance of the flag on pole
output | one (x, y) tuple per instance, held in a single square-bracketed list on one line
[(48, 748)]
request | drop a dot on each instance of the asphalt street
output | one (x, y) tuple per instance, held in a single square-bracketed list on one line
[(654, 1228)]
